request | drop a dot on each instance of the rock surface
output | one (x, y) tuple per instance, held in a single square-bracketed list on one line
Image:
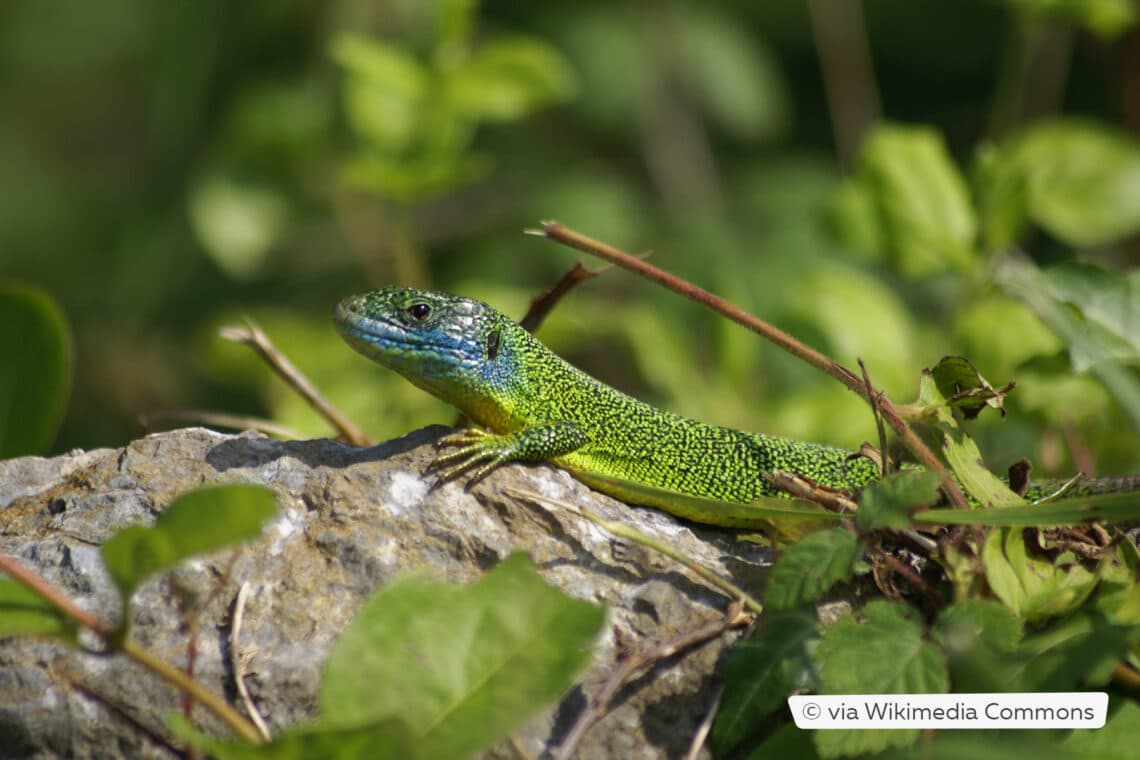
[(349, 520)]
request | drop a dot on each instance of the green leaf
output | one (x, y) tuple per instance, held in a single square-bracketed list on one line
[(787, 741), (1032, 588), (1106, 18), (730, 74), (383, 91), (1086, 339), (978, 619), (462, 666), (384, 740), (237, 224), (964, 388), (877, 650), (811, 566), (35, 373), (25, 613), (888, 503), (1117, 508), (198, 521), (1109, 305), (507, 79), (959, 449), (1078, 650), (760, 672), (921, 198), (980, 638), (1000, 333), (1079, 180)]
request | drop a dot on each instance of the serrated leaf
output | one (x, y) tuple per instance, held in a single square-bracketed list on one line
[(462, 666), (385, 740), (25, 613), (809, 567), (959, 449), (198, 521), (921, 198), (760, 671), (35, 373), (880, 649), (888, 503), (1032, 588)]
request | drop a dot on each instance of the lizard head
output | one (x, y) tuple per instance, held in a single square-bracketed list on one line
[(457, 349)]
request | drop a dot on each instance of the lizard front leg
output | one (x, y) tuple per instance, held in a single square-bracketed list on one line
[(537, 443)]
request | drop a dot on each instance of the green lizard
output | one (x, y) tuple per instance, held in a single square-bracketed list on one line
[(539, 408)]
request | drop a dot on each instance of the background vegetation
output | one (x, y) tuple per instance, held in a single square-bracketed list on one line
[(169, 167)]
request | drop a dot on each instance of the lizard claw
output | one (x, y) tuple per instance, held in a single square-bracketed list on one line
[(476, 448)]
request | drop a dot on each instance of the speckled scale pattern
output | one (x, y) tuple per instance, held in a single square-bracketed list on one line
[(441, 343)]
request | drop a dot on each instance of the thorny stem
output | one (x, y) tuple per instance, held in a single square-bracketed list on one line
[(559, 233)]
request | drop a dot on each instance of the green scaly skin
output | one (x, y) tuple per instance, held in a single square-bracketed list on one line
[(539, 408)]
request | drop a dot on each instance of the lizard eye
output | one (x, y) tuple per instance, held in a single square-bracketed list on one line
[(419, 310)]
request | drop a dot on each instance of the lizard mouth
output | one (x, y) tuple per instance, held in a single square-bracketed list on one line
[(380, 337)]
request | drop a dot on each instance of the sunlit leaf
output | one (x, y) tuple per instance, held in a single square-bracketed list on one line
[(921, 198), (507, 79), (964, 388), (959, 449), (1033, 588), (880, 649), (25, 613), (1106, 18), (383, 740), (383, 90), (199, 521), (462, 666), (812, 565), (1077, 179), (35, 370), (237, 224), (889, 502)]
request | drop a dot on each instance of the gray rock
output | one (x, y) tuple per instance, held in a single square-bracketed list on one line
[(349, 520)]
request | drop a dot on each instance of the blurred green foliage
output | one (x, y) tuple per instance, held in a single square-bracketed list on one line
[(172, 166)]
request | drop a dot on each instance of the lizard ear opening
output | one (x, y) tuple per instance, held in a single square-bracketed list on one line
[(492, 344)]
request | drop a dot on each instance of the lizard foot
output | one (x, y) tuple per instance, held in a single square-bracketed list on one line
[(476, 448)]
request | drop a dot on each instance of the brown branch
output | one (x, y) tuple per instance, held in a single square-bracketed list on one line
[(628, 666), (252, 336), (542, 305), (913, 578), (559, 233), (114, 639), (53, 596)]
